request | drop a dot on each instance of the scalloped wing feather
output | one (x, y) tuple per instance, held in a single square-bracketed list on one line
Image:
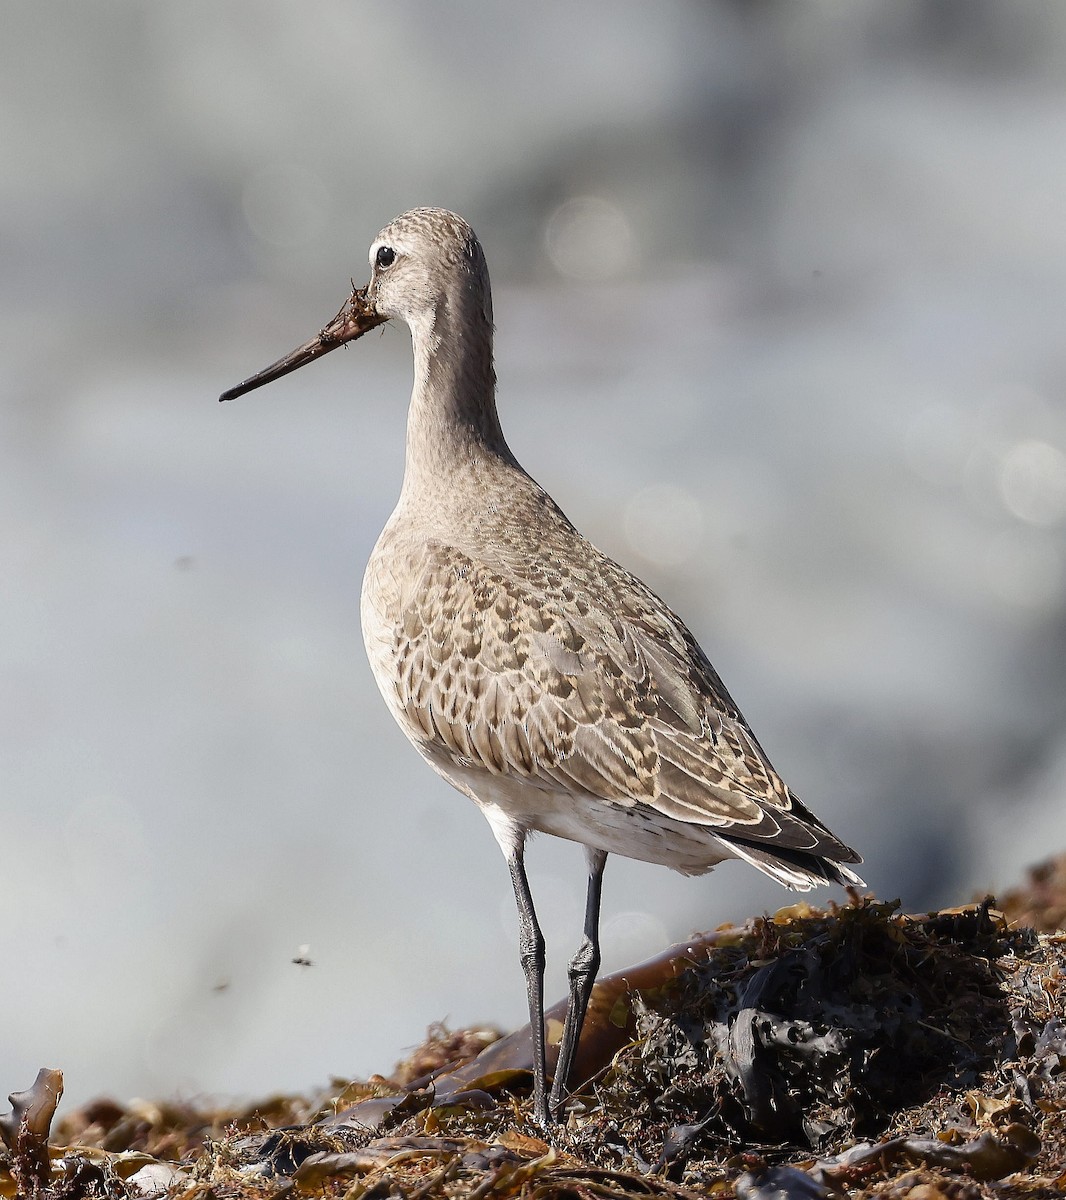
[(625, 708)]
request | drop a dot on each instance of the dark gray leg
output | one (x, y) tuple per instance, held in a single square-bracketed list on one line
[(531, 951), (583, 968)]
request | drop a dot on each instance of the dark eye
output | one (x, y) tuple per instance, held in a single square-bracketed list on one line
[(386, 256)]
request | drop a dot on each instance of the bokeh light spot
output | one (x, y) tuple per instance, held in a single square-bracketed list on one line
[(1032, 482), (589, 238)]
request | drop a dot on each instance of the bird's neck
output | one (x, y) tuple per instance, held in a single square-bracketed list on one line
[(452, 425)]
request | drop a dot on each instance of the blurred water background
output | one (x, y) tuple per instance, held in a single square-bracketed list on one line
[(779, 291)]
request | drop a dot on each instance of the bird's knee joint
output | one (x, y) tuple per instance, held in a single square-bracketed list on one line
[(585, 962), (533, 962), (531, 953)]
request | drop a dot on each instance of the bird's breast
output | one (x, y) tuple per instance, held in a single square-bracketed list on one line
[(381, 606)]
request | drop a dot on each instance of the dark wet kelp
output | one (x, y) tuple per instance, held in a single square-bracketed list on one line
[(817, 1028)]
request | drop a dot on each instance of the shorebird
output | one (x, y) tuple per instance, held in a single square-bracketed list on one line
[(537, 676)]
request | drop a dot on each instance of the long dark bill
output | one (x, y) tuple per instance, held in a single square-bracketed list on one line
[(354, 319)]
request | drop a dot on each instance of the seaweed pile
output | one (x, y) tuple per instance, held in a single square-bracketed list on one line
[(811, 1053), (817, 1028)]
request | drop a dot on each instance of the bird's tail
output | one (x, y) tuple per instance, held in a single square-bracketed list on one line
[(793, 868)]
